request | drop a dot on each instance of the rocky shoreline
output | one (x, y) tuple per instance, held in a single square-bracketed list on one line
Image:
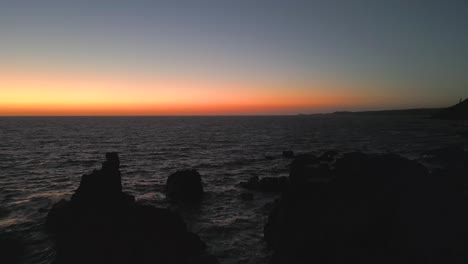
[(102, 224), (333, 208), (358, 208)]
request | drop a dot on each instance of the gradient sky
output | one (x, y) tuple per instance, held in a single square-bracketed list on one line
[(230, 57)]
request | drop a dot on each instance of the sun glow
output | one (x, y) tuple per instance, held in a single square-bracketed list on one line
[(90, 94)]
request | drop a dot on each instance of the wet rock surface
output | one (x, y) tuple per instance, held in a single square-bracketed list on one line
[(102, 224), (363, 208)]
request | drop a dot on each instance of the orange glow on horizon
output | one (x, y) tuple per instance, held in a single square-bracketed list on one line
[(143, 109), (89, 94)]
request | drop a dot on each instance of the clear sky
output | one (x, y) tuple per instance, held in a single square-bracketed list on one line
[(145, 57)]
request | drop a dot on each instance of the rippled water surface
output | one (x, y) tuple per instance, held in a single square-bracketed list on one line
[(42, 159)]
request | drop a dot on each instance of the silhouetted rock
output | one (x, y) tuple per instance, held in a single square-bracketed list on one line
[(101, 224), (288, 154), (458, 111), (11, 249), (247, 196), (185, 185), (309, 169), (371, 209), (104, 185), (266, 184)]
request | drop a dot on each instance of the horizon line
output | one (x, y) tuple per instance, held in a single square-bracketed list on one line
[(229, 115)]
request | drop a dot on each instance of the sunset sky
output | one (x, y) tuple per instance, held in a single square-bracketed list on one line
[(230, 57)]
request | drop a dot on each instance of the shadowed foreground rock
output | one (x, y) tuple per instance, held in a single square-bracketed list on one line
[(360, 208), (185, 185), (101, 224)]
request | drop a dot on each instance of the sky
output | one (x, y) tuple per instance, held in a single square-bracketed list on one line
[(241, 57)]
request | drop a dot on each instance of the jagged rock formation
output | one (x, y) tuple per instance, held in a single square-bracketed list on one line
[(185, 185), (358, 208), (455, 112), (102, 224), (102, 185)]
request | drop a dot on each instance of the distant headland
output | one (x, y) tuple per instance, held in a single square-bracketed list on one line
[(415, 111), (455, 112)]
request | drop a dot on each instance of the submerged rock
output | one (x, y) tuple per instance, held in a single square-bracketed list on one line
[(185, 185), (371, 209), (101, 224)]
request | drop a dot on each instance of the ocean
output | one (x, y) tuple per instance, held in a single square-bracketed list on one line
[(43, 158)]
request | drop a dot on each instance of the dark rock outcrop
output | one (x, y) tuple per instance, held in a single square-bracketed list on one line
[(266, 184), (102, 185), (185, 185), (309, 169), (367, 209), (455, 112), (101, 224)]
